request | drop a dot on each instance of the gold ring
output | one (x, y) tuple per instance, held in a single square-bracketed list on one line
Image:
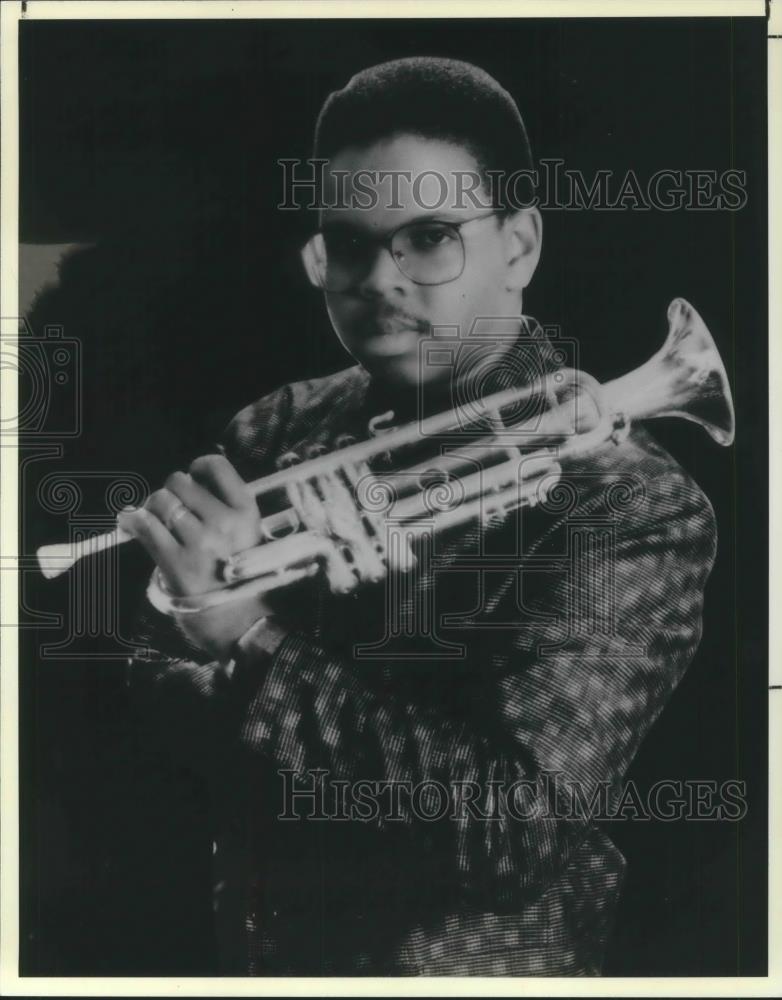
[(175, 514)]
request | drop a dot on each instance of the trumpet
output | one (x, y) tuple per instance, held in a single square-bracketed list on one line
[(344, 515)]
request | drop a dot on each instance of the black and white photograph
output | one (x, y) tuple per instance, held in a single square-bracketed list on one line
[(391, 448)]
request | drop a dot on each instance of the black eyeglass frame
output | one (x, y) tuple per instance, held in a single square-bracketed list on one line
[(386, 242)]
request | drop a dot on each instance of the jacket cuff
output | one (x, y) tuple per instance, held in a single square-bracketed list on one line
[(253, 655)]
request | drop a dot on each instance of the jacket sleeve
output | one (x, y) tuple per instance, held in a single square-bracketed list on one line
[(185, 706), (575, 701)]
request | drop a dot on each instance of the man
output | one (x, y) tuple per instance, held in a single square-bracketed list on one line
[(515, 669)]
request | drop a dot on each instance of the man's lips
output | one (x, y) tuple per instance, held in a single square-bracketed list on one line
[(381, 325), (392, 334), (390, 344)]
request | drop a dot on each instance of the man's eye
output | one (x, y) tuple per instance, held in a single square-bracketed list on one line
[(344, 244), (431, 237)]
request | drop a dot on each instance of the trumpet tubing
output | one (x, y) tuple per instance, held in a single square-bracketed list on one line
[(357, 523)]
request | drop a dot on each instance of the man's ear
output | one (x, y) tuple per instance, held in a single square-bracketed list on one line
[(524, 232)]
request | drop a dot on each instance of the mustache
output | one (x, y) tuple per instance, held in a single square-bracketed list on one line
[(389, 317)]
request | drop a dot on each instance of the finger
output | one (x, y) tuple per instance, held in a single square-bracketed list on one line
[(199, 500), (217, 474), (175, 516), (153, 535)]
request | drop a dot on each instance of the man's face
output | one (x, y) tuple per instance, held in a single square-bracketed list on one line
[(383, 317)]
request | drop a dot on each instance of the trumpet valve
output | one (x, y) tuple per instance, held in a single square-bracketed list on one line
[(541, 480), (378, 426), (400, 555), (287, 460), (494, 514), (620, 428), (340, 573)]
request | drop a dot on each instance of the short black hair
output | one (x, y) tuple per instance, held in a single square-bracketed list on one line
[(437, 99)]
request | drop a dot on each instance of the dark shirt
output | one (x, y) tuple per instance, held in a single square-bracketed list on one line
[(538, 652)]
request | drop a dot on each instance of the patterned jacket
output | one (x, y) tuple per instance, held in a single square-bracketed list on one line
[(448, 733)]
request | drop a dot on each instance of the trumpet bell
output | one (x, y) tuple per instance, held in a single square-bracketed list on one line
[(685, 378), (327, 523)]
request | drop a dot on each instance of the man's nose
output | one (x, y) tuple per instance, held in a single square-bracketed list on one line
[(383, 274)]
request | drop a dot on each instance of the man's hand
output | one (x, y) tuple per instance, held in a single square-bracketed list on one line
[(199, 519)]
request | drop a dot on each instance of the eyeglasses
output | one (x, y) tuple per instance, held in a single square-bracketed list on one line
[(338, 257)]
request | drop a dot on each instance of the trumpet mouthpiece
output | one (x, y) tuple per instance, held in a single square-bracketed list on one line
[(56, 559)]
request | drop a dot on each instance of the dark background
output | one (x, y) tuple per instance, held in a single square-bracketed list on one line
[(157, 142)]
